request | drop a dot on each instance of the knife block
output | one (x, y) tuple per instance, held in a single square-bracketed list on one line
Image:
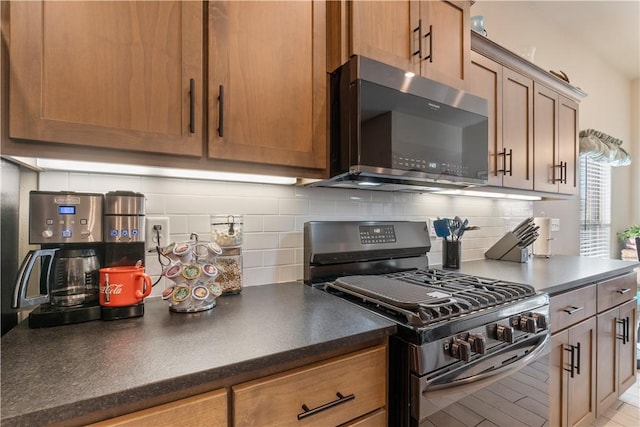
[(507, 249)]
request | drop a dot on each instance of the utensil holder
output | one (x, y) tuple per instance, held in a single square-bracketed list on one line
[(451, 253)]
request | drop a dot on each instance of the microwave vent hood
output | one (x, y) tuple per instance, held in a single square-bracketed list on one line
[(396, 132)]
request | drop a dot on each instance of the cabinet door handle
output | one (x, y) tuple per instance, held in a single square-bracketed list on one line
[(560, 172), (221, 111), (564, 169), (571, 310), (430, 35), (504, 155), (571, 350), (306, 412), (622, 336), (578, 359), (192, 105), (623, 291), (419, 30), (626, 330)]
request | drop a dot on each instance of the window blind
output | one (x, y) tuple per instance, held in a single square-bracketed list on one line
[(595, 208)]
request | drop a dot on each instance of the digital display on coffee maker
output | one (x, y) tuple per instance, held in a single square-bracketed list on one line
[(66, 210)]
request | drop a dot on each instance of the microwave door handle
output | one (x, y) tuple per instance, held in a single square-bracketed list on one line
[(482, 380)]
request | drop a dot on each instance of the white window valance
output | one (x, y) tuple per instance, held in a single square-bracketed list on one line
[(603, 148)]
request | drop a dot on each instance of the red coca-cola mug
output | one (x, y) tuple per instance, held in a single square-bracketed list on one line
[(122, 286)]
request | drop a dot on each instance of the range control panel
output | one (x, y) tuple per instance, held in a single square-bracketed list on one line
[(65, 217), (371, 234)]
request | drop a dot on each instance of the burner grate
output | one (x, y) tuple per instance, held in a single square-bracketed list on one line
[(428, 296)]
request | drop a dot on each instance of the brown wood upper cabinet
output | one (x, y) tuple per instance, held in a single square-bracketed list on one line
[(555, 142), (510, 97), (430, 38), (268, 82), (123, 75)]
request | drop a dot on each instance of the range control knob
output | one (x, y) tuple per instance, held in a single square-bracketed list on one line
[(504, 333), (478, 343), (461, 349), (533, 322)]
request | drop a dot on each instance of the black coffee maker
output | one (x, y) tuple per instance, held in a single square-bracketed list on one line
[(65, 271)]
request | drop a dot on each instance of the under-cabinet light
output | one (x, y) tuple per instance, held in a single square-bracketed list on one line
[(493, 195), (123, 169)]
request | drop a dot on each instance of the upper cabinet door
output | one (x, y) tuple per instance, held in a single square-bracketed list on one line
[(386, 31), (517, 130), (485, 80), (568, 145), (447, 41), (547, 168), (268, 82), (427, 37), (123, 75)]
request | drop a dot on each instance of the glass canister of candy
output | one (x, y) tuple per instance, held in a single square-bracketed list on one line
[(227, 231), (193, 274)]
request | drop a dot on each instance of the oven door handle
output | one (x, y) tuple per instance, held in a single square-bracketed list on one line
[(485, 378)]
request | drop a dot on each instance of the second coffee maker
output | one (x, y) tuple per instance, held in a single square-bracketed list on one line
[(124, 236)]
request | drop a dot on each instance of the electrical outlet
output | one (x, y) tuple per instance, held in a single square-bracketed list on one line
[(151, 235), (432, 229), (555, 224)]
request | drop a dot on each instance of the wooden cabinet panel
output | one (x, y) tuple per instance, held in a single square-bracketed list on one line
[(485, 80), (517, 129), (627, 360), (267, 82), (568, 145), (545, 135), (582, 387), (616, 353), (615, 291), (427, 37), (572, 307), (449, 40), (555, 142), (572, 383), (207, 409), (281, 398), (108, 74), (375, 419), (380, 30)]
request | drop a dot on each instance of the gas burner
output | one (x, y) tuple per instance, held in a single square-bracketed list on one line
[(424, 297)]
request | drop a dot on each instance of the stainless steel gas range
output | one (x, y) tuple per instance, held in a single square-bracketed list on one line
[(467, 350)]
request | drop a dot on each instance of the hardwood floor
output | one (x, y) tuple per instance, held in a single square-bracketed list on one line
[(625, 412)]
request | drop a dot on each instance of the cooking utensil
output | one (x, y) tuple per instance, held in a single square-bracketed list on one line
[(442, 227), (462, 228)]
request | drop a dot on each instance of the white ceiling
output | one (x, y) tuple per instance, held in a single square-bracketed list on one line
[(610, 27)]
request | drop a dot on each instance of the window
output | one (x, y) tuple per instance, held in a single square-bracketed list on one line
[(595, 208)]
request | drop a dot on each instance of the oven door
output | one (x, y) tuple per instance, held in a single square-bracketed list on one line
[(509, 387)]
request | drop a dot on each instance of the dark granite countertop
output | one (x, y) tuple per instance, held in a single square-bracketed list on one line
[(83, 372), (556, 274)]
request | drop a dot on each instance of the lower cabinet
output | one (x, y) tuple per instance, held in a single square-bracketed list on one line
[(208, 409), (349, 390), (573, 375), (342, 390), (616, 353)]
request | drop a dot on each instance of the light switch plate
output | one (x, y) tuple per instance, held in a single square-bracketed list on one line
[(155, 238), (432, 230), (555, 224)]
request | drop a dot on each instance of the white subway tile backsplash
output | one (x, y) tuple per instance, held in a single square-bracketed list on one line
[(278, 222), (274, 216)]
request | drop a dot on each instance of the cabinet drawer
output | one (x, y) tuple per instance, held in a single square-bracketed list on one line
[(207, 409), (374, 419), (572, 307), (287, 398), (616, 291)]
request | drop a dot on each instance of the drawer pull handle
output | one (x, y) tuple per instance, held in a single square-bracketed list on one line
[(341, 399), (623, 291), (571, 309)]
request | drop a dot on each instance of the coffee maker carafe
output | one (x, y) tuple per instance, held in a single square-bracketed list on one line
[(68, 226)]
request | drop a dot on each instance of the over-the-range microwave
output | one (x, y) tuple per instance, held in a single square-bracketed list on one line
[(391, 130)]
